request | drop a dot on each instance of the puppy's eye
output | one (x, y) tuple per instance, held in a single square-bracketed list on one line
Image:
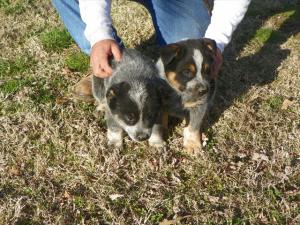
[(130, 118), (187, 73), (202, 92)]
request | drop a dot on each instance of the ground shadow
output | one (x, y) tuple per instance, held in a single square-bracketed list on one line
[(238, 76)]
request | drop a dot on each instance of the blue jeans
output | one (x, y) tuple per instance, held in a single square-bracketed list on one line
[(173, 20)]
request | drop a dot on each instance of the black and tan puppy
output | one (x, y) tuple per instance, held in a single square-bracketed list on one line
[(186, 67)]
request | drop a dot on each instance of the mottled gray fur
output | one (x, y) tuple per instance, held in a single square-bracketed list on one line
[(137, 82)]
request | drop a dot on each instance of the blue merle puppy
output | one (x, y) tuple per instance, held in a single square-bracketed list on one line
[(131, 100)]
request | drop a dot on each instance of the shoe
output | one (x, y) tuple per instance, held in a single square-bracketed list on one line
[(83, 90)]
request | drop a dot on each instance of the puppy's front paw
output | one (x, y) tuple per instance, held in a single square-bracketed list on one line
[(101, 106), (115, 139), (191, 141), (156, 141), (115, 144)]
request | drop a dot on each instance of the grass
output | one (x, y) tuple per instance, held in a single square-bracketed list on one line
[(11, 109), (11, 86), (4, 67), (263, 35), (56, 39), (12, 7), (9, 68), (42, 96), (78, 62), (56, 167), (275, 102)]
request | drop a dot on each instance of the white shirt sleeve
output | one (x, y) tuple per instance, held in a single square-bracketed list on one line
[(226, 16), (96, 15)]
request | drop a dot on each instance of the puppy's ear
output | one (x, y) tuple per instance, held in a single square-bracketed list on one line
[(112, 62), (116, 90), (209, 46), (169, 53), (209, 50)]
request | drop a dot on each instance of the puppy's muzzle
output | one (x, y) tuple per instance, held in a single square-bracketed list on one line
[(142, 136), (194, 95)]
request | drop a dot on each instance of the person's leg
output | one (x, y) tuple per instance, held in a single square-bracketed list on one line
[(175, 20), (70, 15)]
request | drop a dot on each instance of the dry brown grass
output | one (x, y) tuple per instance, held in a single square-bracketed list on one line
[(55, 167)]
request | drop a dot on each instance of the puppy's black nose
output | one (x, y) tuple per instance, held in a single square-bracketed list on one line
[(142, 136)]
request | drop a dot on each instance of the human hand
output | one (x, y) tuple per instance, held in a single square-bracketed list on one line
[(218, 60), (101, 51)]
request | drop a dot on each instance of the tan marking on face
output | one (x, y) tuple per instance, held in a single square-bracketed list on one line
[(192, 68), (171, 76), (111, 94), (191, 104), (206, 67), (175, 47), (209, 46)]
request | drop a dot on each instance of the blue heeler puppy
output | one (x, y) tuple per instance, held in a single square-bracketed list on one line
[(131, 100)]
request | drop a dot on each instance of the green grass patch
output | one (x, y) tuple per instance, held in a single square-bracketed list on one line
[(275, 102), (262, 35), (156, 218), (11, 108), (78, 62), (4, 67), (79, 202), (43, 96), (11, 86), (46, 92), (21, 65), (280, 20), (237, 221), (15, 85), (29, 191), (14, 8), (86, 106), (15, 67), (51, 151), (59, 83), (4, 3), (216, 186), (56, 40), (211, 142), (277, 217), (286, 15), (274, 194)]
